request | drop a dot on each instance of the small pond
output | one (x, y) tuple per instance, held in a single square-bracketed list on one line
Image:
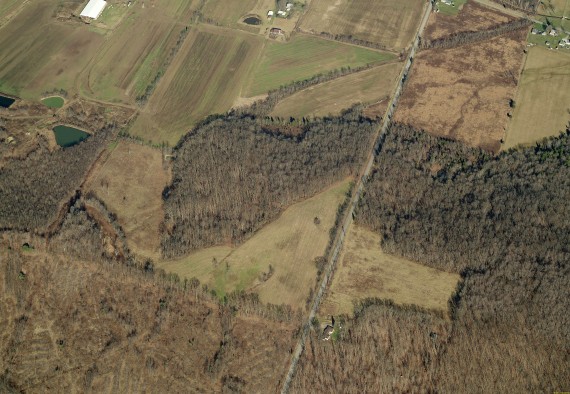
[(252, 20), (5, 102), (53, 102), (68, 136)]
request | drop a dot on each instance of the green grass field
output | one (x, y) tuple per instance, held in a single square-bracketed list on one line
[(332, 97), (289, 244), (303, 57), (53, 102), (206, 77), (451, 9), (543, 98)]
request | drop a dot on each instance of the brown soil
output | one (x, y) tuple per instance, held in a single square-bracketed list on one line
[(463, 93), (472, 17)]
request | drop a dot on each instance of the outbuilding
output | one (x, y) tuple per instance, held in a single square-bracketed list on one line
[(93, 9), (269, 14)]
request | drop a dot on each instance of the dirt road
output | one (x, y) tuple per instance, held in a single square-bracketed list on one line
[(345, 224)]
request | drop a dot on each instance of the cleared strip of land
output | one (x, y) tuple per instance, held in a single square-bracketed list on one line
[(332, 97), (305, 56), (366, 271), (543, 98), (289, 245)]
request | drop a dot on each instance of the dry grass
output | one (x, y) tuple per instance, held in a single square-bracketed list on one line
[(473, 17), (289, 244), (332, 97), (206, 77), (543, 98), (463, 93), (131, 183), (364, 270), (554, 7), (391, 23)]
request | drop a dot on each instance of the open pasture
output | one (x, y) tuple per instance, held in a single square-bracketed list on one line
[(130, 182), (390, 23), (554, 7), (40, 54), (473, 17), (364, 271), (543, 98), (230, 13), (464, 93), (303, 57), (205, 78), (366, 87), (289, 245)]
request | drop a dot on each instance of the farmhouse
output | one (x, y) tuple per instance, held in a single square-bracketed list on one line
[(275, 31), (93, 9)]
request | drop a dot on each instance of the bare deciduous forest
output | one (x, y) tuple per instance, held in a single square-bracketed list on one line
[(237, 173), (72, 324), (33, 188), (503, 223)]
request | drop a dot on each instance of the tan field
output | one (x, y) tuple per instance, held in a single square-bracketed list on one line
[(543, 98), (289, 244), (463, 93), (330, 98), (473, 17), (130, 182), (364, 271), (554, 7), (205, 77), (390, 23)]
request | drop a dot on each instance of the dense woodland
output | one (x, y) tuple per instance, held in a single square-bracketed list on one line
[(503, 223), (76, 319), (237, 173), (33, 188)]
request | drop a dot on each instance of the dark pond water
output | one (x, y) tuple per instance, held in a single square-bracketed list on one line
[(252, 20), (68, 136), (6, 101)]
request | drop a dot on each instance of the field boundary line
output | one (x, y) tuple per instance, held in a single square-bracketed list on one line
[(348, 216)]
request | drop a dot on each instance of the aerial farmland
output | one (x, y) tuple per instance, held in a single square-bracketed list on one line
[(294, 196)]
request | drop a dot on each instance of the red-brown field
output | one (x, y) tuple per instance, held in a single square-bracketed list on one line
[(464, 92), (472, 17)]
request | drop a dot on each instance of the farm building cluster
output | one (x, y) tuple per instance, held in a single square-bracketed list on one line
[(550, 31), (93, 9), (280, 13)]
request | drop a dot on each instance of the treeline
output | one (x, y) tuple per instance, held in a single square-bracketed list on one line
[(143, 97), (265, 106), (32, 189), (470, 37), (524, 5), (349, 38), (237, 173)]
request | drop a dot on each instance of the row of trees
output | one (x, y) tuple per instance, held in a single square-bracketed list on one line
[(470, 37), (235, 174)]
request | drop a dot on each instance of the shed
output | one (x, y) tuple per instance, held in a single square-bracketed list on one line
[(93, 9), (269, 14)]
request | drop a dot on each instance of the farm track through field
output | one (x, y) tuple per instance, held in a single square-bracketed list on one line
[(348, 218)]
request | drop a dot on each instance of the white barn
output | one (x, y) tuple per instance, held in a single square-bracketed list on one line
[(93, 9)]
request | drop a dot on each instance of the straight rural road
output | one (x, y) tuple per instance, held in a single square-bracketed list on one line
[(346, 222)]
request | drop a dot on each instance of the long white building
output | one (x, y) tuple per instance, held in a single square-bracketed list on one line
[(93, 9)]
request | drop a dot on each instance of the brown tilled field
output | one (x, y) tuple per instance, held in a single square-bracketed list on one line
[(472, 17), (464, 92), (390, 23)]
